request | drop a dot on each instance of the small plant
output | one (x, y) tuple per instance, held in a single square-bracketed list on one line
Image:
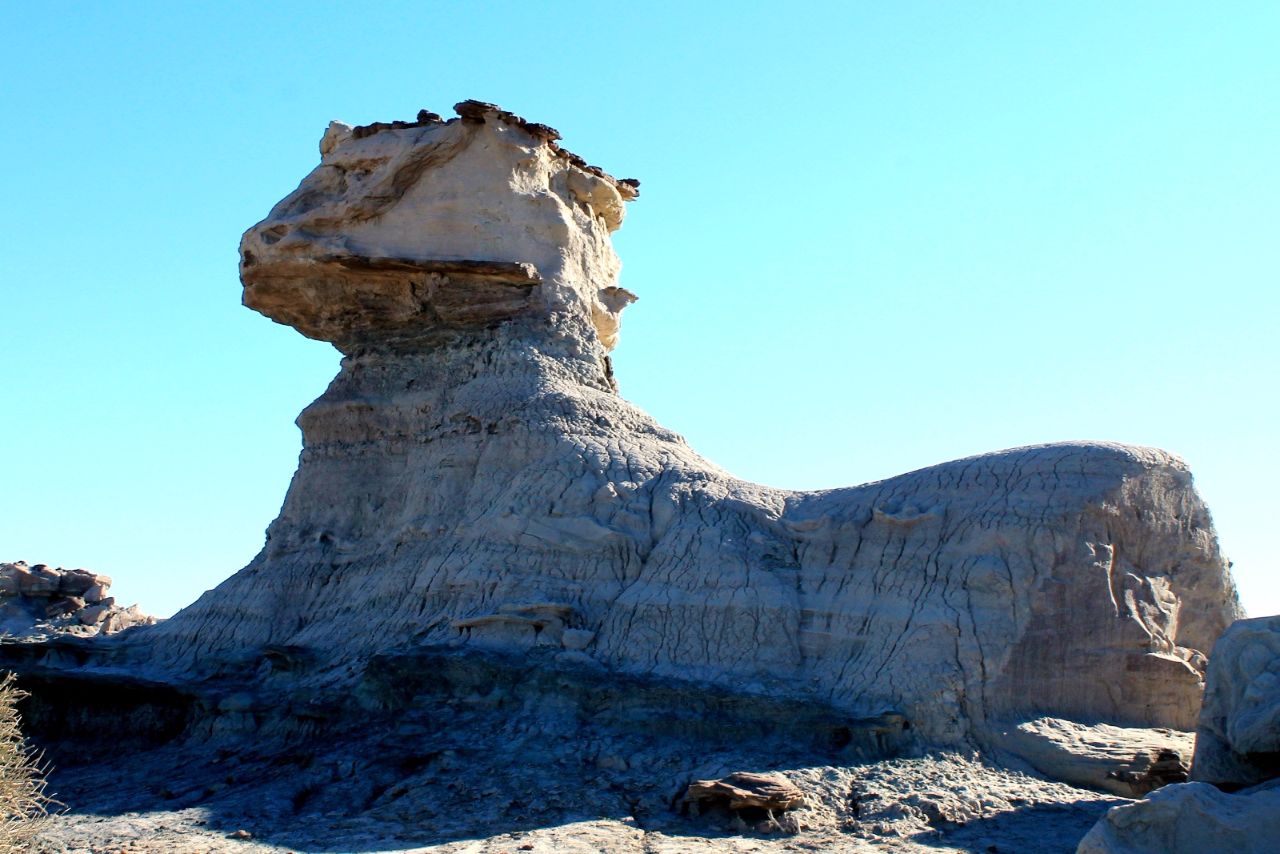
[(23, 802)]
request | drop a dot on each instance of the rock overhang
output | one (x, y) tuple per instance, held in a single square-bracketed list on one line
[(409, 229)]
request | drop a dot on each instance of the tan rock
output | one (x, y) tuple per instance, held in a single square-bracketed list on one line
[(39, 582), (76, 582), (64, 605), (744, 790), (93, 615)]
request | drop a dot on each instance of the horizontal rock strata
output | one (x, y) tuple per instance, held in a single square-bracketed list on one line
[(471, 479)]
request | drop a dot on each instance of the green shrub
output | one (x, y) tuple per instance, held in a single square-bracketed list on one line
[(23, 802)]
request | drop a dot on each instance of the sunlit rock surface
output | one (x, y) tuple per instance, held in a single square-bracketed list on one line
[(1237, 751), (472, 479)]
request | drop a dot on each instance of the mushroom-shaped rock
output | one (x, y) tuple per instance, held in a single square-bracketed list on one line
[(406, 232)]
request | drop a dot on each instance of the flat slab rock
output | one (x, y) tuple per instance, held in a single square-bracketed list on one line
[(1129, 761), (744, 790)]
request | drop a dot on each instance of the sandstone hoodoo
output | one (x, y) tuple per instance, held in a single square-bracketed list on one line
[(471, 480)]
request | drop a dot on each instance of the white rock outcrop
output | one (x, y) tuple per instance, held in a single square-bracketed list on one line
[(471, 477)]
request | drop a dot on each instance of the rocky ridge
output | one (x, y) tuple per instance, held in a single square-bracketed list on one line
[(40, 601)]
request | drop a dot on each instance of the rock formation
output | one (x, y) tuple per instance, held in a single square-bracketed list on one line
[(472, 480), (1238, 739), (486, 552), (41, 601), (1234, 803)]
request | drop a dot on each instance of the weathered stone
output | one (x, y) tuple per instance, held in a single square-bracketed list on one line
[(40, 599), (473, 453), (745, 790), (1193, 818), (76, 582), (117, 619), (1238, 740), (1128, 761), (40, 581), (576, 639), (93, 615)]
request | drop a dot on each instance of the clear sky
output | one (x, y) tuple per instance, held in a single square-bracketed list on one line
[(871, 237)]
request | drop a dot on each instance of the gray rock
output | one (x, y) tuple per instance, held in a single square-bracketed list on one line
[(1238, 739), (1192, 818), (1128, 761), (472, 456)]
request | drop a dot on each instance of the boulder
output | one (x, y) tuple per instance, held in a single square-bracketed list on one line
[(746, 790), (93, 615), (76, 582), (1192, 818), (39, 581), (1129, 761), (64, 605), (1238, 739)]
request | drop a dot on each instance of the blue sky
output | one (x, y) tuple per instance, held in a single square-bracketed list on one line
[(871, 237)]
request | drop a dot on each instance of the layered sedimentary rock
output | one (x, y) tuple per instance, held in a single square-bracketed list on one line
[(472, 478)]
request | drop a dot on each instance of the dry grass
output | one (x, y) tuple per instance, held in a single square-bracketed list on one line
[(23, 802)]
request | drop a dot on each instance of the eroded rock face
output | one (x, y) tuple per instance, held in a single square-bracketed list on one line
[(472, 478)]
